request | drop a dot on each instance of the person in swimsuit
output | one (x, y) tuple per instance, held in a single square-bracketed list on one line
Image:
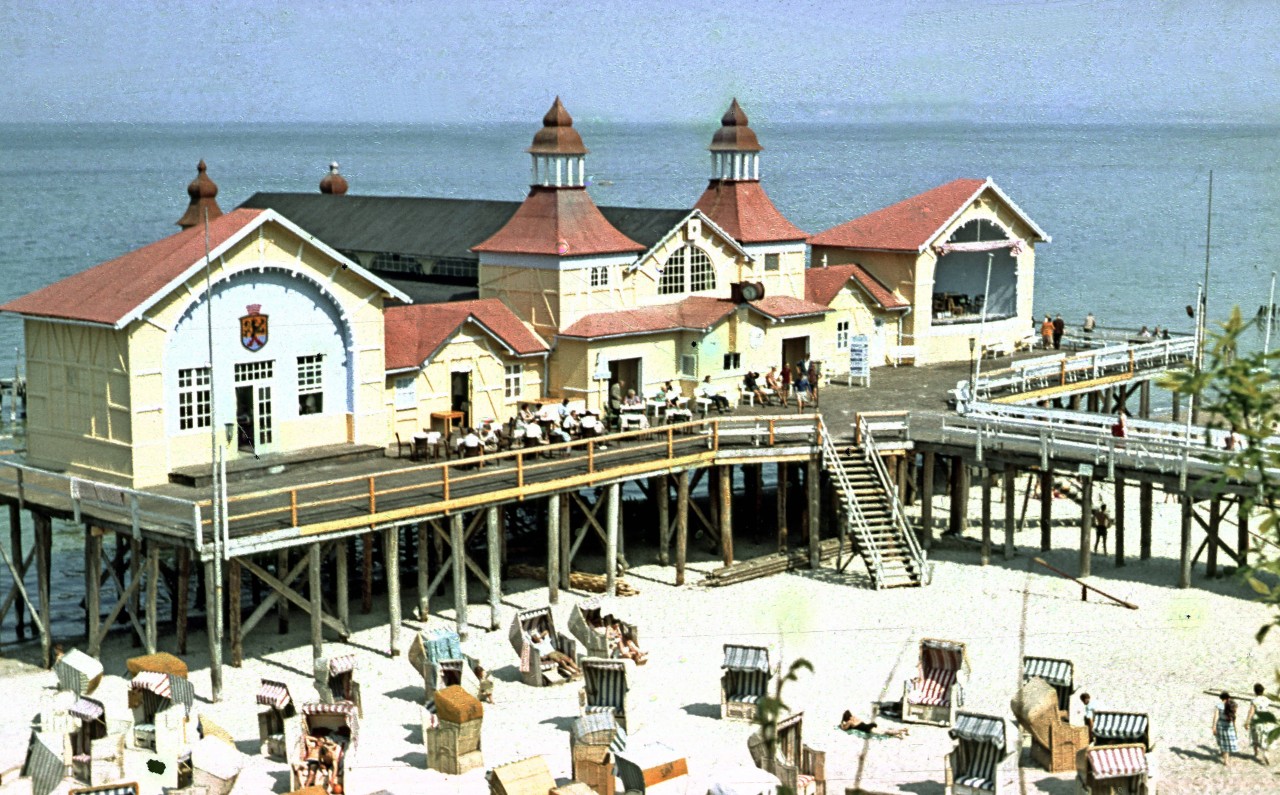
[(851, 722)]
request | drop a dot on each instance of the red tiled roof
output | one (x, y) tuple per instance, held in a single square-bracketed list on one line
[(744, 210), (415, 332), (109, 292), (909, 225), (822, 285), (695, 313), (784, 306), (559, 221)]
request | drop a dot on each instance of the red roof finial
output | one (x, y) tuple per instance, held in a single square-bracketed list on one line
[(203, 192), (557, 136), (333, 182), (734, 134)]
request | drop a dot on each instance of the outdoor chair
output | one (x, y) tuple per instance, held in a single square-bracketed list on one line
[(744, 682), (339, 723), (1114, 770), (215, 766), (1117, 728), (653, 769), (529, 776), (533, 669), (275, 718), (97, 747), (335, 679), (161, 705), (607, 689), (437, 654), (593, 740), (796, 765), (1055, 743), (78, 673), (1060, 674), (587, 624), (937, 691), (452, 731), (976, 763)]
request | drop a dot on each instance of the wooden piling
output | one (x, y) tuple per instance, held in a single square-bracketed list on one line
[(366, 573), (43, 541), (1046, 509), (1145, 490), (758, 523), (726, 514), (1086, 526), (1144, 400), (459, 546), (1184, 558), (313, 591), (1242, 538), (553, 549), (342, 583), (959, 517), (659, 491), (391, 552), (682, 523), (926, 504), (282, 605), (781, 477), (183, 597), (986, 516), (1010, 509), (1215, 523), (566, 538), (135, 571), (153, 587), (211, 610), (1120, 519), (424, 571), (93, 590), (15, 544), (233, 613), (813, 486), (612, 509), (493, 519)]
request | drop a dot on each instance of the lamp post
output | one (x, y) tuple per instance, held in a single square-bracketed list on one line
[(982, 327), (1271, 311)]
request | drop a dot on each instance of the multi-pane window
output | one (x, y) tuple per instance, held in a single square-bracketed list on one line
[(687, 270), (461, 268), (688, 365), (513, 381), (771, 262), (311, 384), (599, 276), (195, 404), (396, 263), (842, 335), (254, 371), (406, 392), (732, 361)]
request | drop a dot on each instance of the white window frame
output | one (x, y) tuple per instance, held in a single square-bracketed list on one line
[(733, 361), (311, 379), (842, 335), (406, 391), (195, 398), (513, 382), (771, 262), (599, 276)]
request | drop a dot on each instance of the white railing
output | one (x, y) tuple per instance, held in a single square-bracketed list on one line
[(899, 519), (858, 524)]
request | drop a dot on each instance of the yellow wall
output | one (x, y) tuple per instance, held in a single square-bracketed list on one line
[(532, 293)]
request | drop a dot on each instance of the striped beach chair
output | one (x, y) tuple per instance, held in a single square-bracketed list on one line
[(533, 669), (45, 764), (338, 721), (161, 704), (97, 748), (745, 680), (335, 679), (587, 625), (796, 765), (78, 672), (1116, 728), (437, 654), (937, 691), (1058, 673), (276, 709), (1114, 770), (975, 765), (606, 689)]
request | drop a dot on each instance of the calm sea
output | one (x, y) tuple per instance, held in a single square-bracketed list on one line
[(1126, 205)]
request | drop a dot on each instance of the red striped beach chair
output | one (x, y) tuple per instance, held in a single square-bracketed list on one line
[(275, 714), (979, 763), (1114, 770), (938, 688), (335, 679), (338, 722)]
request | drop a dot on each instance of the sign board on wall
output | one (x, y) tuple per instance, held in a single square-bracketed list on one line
[(860, 359)]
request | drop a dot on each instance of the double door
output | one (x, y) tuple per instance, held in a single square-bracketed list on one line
[(254, 415)]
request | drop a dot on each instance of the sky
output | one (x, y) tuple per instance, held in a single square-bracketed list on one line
[(791, 60)]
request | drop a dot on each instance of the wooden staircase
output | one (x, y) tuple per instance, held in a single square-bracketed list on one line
[(873, 516)]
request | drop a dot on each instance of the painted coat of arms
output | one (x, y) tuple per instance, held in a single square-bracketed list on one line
[(253, 328)]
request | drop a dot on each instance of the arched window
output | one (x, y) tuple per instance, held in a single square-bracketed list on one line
[(687, 270)]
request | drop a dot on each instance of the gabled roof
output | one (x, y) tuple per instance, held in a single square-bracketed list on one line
[(744, 210), (674, 229), (822, 285), (695, 313), (119, 291), (786, 307), (414, 333), (559, 222), (912, 224)]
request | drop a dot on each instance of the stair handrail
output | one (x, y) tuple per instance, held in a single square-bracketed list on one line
[(897, 513), (857, 521)]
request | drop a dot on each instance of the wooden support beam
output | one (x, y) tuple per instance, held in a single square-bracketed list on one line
[(1121, 488), (135, 571), (682, 523), (758, 523), (459, 554), (153, 583), (22, 589), (1046, 509), (813, 485), (1215, 522), (553, 549), (1145, 490), (282, 605), (926, 503), (211, 608), (1184, 558), (493, 518), (1144, 401), (233, 613), (342, 585), (661, 492), (391, 551), (424, 572), (1177, 412), (44, 569), (959, 517), (184, 594), (15, 543), (1093, 401), (366, 573), (726, 514), (314, 607), (612, 511), (1010, 509), (93, 588), (565, 536), (1242, 539), (1086, 526), (282, 589), (781, 477), (985, 475)]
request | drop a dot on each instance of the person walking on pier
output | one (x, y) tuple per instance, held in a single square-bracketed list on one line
[(1046, 332), (1090, 323), (1120, 428), (1059, 328), (1101, 523)]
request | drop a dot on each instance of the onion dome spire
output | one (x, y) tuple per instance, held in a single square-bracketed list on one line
[(735, 148), (333, 182), (203, 192), (557, 151)]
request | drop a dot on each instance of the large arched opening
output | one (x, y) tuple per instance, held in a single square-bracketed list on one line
[(960, 290)]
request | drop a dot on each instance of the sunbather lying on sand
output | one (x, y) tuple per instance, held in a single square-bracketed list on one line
[(852, 723)]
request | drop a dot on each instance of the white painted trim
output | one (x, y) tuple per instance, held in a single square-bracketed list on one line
[(67, 321), (988, 183), (552, 262), (675, 230), (754, 249)]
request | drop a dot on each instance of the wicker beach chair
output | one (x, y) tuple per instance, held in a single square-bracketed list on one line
[(338, 722), (215, 766), (746, 679), (1055, 743), (275, 718), (97, 745), (653, 769), (796, 765), (452, 731), (78, 672), (161, 704), (335, 679), (977, 764), (607, 688), (533, 669), (1114, 770), (593, 740), (937, 691), (437, 655), (587, 621), (529, 776), (1117, 728), (1058, 673)]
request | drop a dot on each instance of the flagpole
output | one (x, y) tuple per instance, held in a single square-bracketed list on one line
[(213, 612)]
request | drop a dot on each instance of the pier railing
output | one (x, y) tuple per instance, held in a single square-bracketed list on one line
[(857, 521), (867, 424)]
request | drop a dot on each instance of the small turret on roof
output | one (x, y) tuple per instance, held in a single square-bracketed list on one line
[(735, 135), (333, 182), (557, 136), (203, 192)]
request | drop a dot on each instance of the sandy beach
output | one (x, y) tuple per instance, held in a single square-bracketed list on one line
[(1158, 659)]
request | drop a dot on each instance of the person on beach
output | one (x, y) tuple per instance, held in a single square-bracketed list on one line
[(541, 640), (785, 392), (751, 386), (1046, 332), (1120, 429), (850, 722), (1101, 522), (627, 648), (1059, 328), (1260, 705), (802, 387), (1224, 726), (1089, 709), (1089, 324), (615, 396)]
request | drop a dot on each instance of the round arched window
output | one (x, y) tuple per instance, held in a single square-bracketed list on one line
[(688, 269)]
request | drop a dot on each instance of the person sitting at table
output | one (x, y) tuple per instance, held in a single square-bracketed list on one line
[(671, 396), (532, 434), (549, 413), (491, 438), (591, 426), (751, 386), (526, 414), (718, 401), (572, 424), (470, 445), (771, 382), (632, 399)]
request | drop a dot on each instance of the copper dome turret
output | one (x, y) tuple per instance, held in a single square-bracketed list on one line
[(735, 135), (333, 182), (204, 206), (557, 136)]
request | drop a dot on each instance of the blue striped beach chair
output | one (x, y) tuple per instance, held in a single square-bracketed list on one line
[(745, 680), (1115, 728), (606, 689), (976, 763), (1058, 673), (533, 669)]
